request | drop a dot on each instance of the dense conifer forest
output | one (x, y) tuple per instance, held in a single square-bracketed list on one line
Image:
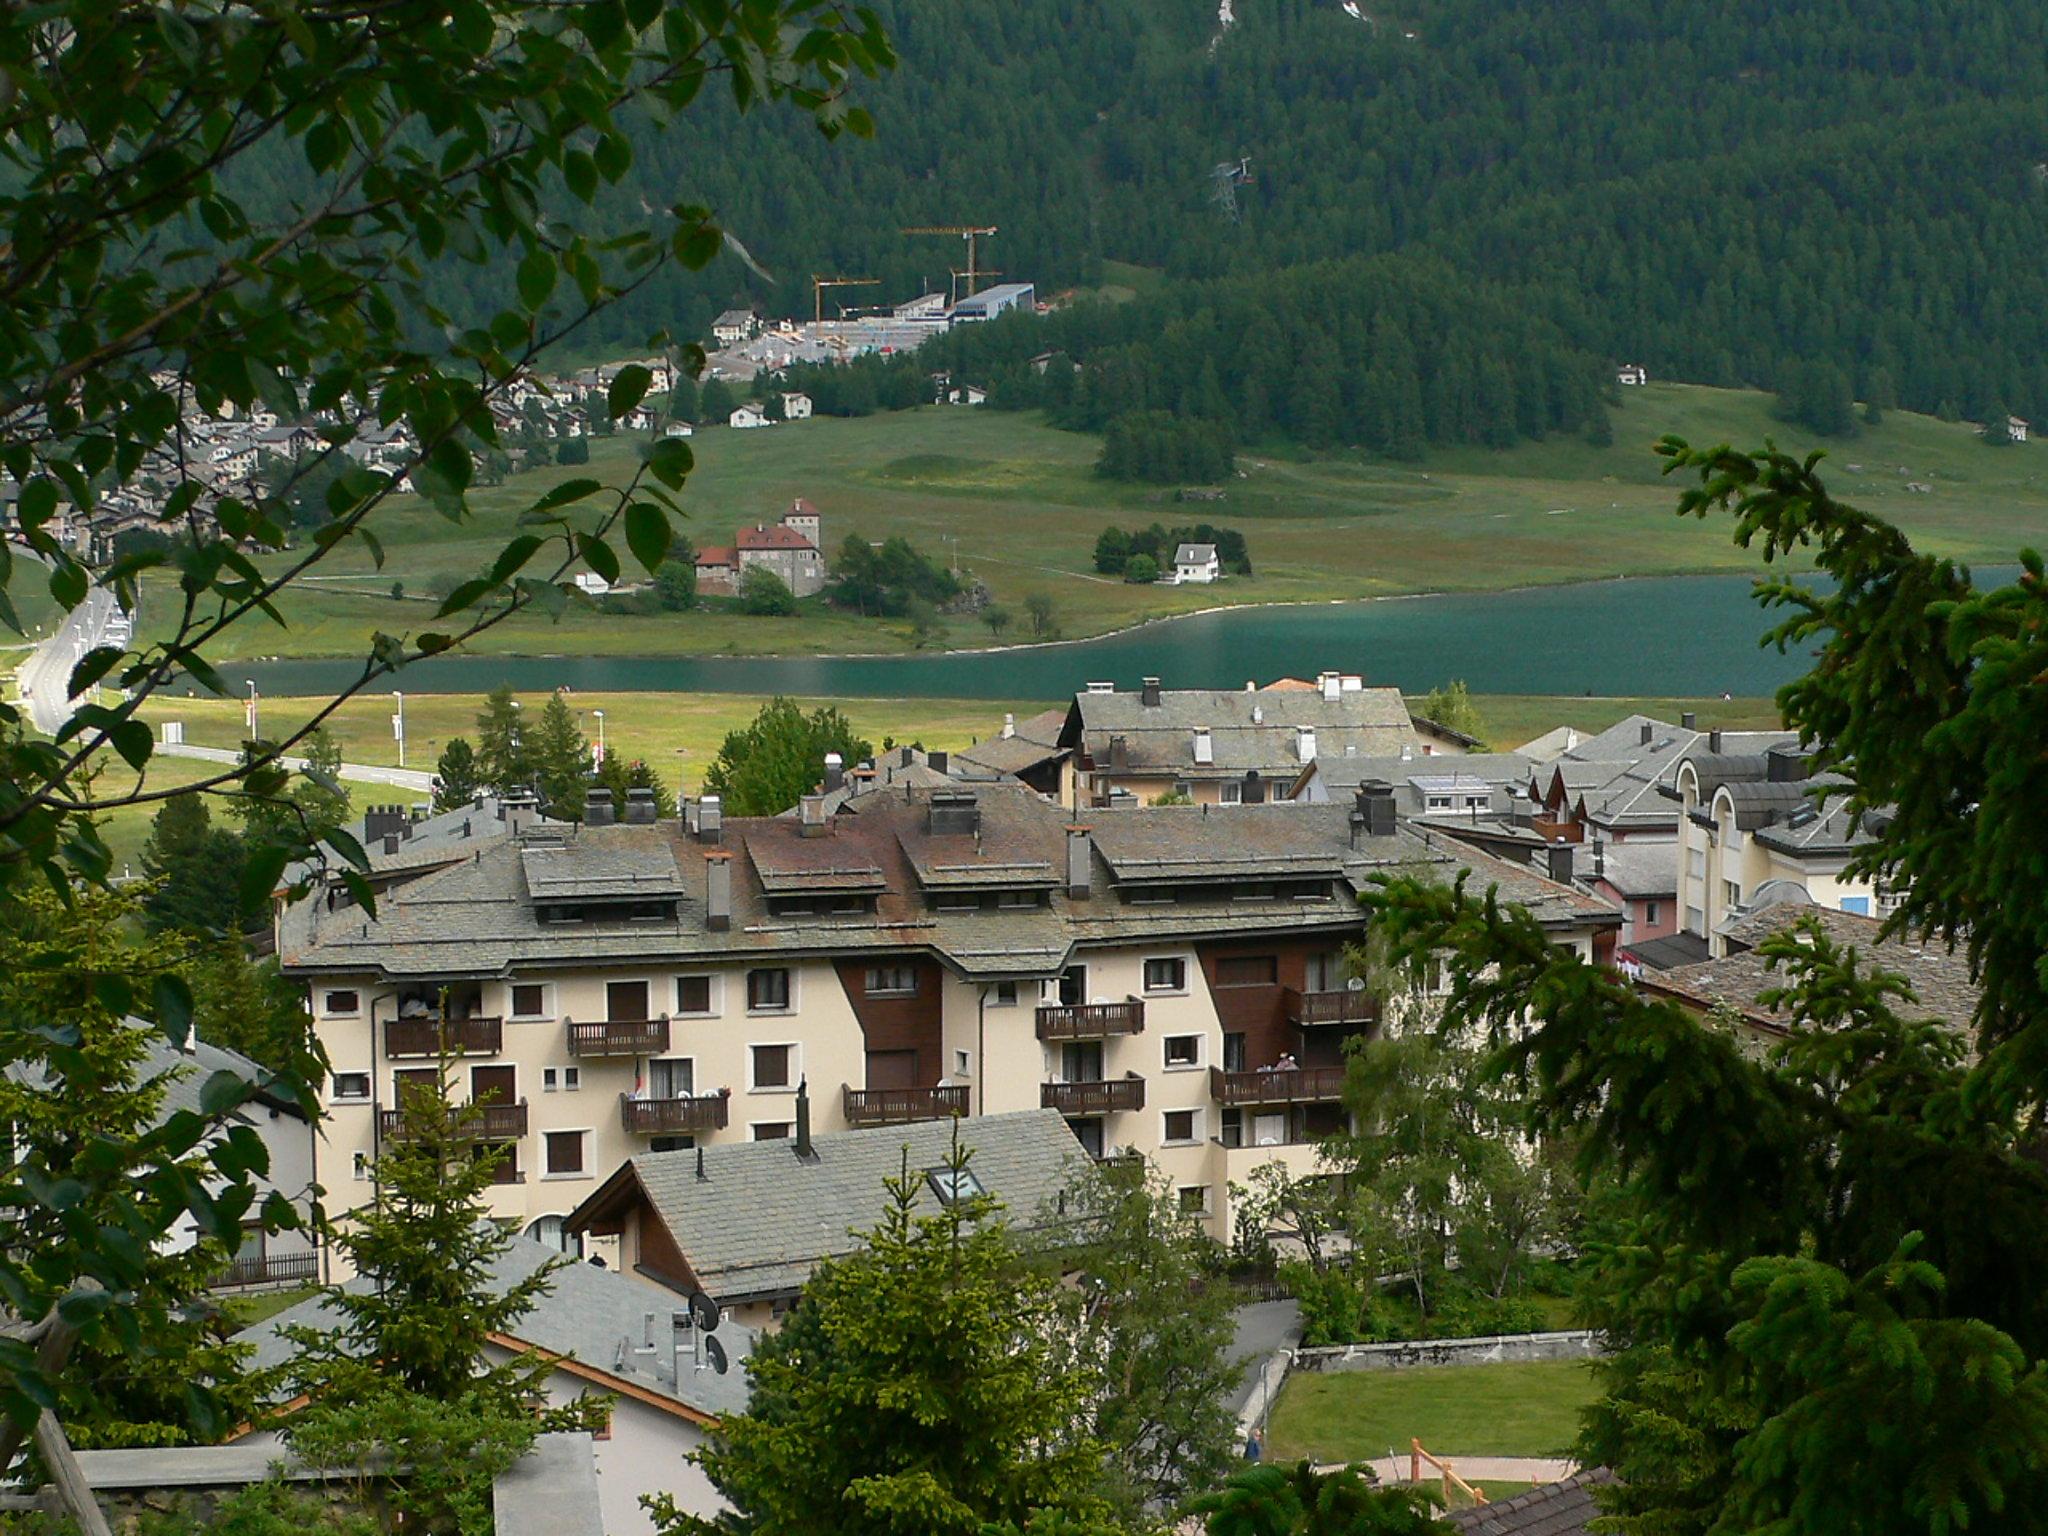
[(1512, 194)]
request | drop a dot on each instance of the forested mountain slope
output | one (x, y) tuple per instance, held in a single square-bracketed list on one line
[(1717, 188)]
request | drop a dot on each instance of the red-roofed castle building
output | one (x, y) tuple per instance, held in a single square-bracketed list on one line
[(794, 549)]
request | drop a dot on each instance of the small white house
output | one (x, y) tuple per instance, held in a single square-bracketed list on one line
[(1632, 373), (2016, 428), (677, 429), (590, 584), (735, 326), (747, 416), (796, 406), (966, 394), (1196, 563)]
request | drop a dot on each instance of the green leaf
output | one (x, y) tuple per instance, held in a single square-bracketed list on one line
[(599, 555), (131, 738), (537, 273), (566, 492), (628, 389), (221, 1092), (647, 534)]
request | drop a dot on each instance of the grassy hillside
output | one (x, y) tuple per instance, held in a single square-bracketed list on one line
[(1020, 504)]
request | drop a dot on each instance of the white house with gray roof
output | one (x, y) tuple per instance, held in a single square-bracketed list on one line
[(609, 1335)]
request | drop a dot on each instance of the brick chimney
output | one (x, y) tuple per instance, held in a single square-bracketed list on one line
[(1080, 850), (1149, 694), (597, 808), (835, 772), (1558, 858), (718, 890)]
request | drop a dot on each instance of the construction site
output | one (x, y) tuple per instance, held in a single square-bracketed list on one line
[(747, 345)]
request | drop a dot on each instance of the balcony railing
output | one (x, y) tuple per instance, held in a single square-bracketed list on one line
[(1293, 1085), (684, 1115), (618, 1037), (900, 1106), (1123, 1159), (483, 1122), (1090, 1021), (1108, 1097), (433, 1036), (269, 1269), (1338, 1007)]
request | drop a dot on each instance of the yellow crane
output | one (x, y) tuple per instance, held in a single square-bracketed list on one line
[(970, 233), (820, 284)]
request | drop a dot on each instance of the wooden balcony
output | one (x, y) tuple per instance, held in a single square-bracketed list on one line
[(1090, 1021), (269, 1269), (1339, 1007), (669, 1117), (618, 1037), (1111, 1096), (434, 1036), (483, 1122), (901, 1106), (1298, 1085)]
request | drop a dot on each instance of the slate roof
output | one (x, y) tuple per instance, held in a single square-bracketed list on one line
[(478, 918), (1639, 869), (183, 1073), (596, 1317), (1341, 775), (1194, 554), (1670, 952), (1249, 729), (564, 871), (1939, 976), (761, 1218), (1555, 1509)]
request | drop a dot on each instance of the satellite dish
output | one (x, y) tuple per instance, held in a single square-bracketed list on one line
[(1355, 984), (715, 1353), (703, 1310)]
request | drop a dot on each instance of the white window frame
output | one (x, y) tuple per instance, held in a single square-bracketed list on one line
[(1180, 1199), (655, 1009), (1652, 912), (1194, 1136), (547, 1002), (341, 1013), (1166, 1064), (796, 1065), (336, 1096), (794, 976), (996, 998), (714, 994), (963, 1062), (359, 1166), (587, 1171), (1144, 981), (1230, 792), (548, 1076), (648, 1082), (572, 1079)]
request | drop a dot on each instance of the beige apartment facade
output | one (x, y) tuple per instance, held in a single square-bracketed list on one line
[(1172, 981)]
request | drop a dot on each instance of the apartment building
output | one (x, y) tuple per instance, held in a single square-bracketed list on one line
[(1221, 747), (1759, 828), (1171, 980)]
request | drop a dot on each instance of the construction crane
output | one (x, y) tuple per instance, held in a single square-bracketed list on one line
[(970, 233), (820, 284)]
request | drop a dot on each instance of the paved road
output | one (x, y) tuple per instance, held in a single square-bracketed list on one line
[(1262, 1328), (365, 773), (46, 674)]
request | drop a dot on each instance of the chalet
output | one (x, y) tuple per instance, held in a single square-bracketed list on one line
[(796, 406), (735, 326), (2016, 428), (1632, 374), (747, 416), (1196, 563)]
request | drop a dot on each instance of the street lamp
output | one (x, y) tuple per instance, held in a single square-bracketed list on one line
[(254, 733), (600, 736), (398, 725)]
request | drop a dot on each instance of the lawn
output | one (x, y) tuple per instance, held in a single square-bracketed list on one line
[(249, 1308), (1524, 1409), (679, 733), (1017, 504)]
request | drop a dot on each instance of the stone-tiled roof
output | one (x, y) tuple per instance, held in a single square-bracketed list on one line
[(1639, 868), (1939, 976), (772, 536), (1555, 1509), (597, 1318), (1247, 730), (760, 1218), (478, 918), (583, 870), (183, 1073)]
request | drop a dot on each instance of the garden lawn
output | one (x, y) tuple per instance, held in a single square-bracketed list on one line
[(1524, 1409)]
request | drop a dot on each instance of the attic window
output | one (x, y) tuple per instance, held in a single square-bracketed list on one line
[(954, 1185)]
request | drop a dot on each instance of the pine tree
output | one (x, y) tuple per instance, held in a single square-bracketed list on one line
[(561, 759), (504, 761), (457, 777)]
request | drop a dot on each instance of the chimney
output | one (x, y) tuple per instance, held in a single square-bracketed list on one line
[(1102, 687), (1648, 729), (1254, 788), (718, 890), (1358, 824), (936, 761), (1714, 742), (1331, 684), (811, 813), (640, 807), (1305, 743), (1119, 754), (907, 757), (1559, 857), (1376, 805), (391, 843), (1599, 859), (1149, 696), (1258, 714), (1786, 765), (1009, 726), (701, 1174), (384, 821), (710, 820), (1079, 859), (805, 1152), (1689, 720), (1407, 751), (835, 771), (520, 812), (1204, 747), (597, 808)]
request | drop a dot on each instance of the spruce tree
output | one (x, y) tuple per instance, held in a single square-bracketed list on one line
[(504, 758), (458, 778), (561, 759)]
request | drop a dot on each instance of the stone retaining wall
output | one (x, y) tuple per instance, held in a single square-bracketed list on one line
[(1402, 1354)]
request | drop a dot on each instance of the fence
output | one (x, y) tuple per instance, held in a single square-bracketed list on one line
[(1404, 1354)]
